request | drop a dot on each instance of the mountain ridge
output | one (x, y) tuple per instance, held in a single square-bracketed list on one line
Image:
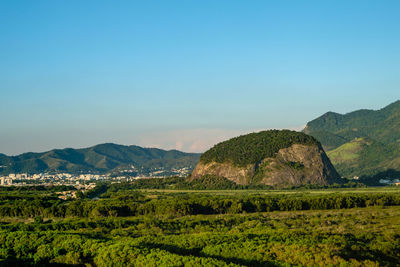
[(339, 132), (99, 158)]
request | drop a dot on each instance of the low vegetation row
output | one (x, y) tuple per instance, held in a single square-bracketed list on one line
[(116, 202)]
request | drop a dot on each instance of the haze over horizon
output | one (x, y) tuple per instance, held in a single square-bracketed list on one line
[(185, 75)]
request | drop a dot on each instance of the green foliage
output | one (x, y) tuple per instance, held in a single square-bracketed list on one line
[(127, 202), (212, 182), (295, 165), (379, 131), (154, 183), (38, 188), (97, 191), (252, 148), (79, 194), (38, 219), (364, 157), (237, 235)]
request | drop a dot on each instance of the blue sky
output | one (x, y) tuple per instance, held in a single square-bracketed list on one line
[(187, 74)]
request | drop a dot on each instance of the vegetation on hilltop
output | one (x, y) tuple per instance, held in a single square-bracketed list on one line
[(340, 135), (382, 125), (253, 147)]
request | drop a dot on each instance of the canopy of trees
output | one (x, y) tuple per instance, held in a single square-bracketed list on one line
[(252, 148), (129, 227)]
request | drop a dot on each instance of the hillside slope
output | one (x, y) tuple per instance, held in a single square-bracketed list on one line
[(100, 158), (360, 143)]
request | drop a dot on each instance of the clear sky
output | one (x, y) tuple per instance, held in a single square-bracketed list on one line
[(186, 74)]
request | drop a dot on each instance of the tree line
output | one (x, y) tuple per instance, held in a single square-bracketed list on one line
[(122, 206)]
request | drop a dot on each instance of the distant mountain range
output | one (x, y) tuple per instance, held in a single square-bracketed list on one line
[(101, 158), (363, 142), (359, 143)]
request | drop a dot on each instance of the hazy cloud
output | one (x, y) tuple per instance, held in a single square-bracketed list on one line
[(189, 140), (192, 140)]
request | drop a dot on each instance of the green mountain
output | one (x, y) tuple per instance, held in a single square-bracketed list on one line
[(100, 159), (361, 143), (275, 158)]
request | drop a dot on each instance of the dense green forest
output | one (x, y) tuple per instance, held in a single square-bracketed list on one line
[(252, 148), (361, 143), (121, 225)]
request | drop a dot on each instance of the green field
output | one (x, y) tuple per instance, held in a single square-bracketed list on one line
[(159, 227)]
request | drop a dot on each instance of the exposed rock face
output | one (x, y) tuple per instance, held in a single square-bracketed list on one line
[(239, 175), (298, 164)]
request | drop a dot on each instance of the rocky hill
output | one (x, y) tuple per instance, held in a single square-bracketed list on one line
[(100, 158), (277, 158), (361, 143)]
